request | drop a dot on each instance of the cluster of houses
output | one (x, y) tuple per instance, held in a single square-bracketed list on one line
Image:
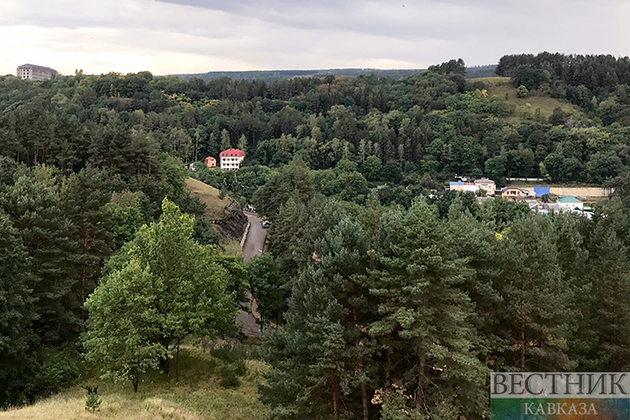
[(516, 194), (230, 159)]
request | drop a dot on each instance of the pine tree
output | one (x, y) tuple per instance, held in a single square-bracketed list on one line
[(225, 140), (84, 196), (610, 273), (572, 232), (425, 327), (242, 143), (536, 316), (16, 314), (321, 357), (469, 239), (36, 212)]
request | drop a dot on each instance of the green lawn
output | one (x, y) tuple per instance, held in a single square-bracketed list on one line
[(525, 107), (195, 395), (210, 196)]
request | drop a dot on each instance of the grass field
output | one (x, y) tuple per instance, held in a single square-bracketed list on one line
[(525, 107), (196, 395), (210, 196)]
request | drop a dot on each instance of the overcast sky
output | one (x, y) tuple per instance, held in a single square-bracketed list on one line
[(195, 36)]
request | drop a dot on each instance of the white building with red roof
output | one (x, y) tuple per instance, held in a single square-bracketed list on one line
[(231, 158)]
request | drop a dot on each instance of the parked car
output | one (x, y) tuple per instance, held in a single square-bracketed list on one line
[(265, 224)]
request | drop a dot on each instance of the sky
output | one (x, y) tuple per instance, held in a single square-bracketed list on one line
[(196, 36)]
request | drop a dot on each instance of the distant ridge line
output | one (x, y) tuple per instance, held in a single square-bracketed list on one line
[(275, 75)]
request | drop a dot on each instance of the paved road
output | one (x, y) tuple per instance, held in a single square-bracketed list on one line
[(255, 242), (254, 245)]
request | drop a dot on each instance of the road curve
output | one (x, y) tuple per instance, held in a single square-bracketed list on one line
[(255, 241), (254, 245)]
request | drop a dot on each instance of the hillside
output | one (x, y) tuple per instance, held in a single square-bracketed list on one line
[(275, 75), (196, 395), (502, 87), (210, 196)]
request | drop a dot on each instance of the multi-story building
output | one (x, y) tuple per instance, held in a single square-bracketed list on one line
[(33, 72), (231, 158), (487, 185)]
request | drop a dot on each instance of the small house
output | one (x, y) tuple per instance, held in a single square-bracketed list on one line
[(210, 162), (514, 194), (570, 203)]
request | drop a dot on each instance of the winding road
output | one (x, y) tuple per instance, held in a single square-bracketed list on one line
[(254, 245)]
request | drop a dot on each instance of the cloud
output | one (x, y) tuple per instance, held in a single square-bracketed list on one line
[(178, 36)]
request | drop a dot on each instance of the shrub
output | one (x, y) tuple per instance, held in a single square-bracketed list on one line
[(93, 402), (229, 378)]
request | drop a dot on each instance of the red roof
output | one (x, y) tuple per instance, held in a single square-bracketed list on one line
[(208, 158), (232, 152)]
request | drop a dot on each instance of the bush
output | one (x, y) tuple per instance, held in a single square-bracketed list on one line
[(229, 378), (59, 368), (240, 367), (233, 357), (522, 91), (93, 402), (230, 352)]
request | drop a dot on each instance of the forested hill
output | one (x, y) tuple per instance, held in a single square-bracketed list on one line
[(385, 293), (275, 75), (435, 124)]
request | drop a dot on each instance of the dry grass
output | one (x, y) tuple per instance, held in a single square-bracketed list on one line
[(525, 107), (210, 196), (195, 395)]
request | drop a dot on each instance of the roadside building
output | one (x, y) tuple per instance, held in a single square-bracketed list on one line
[(33, 72), (546, 208), (570, 203), (210, 162), (514, 194), (486, 185), (231, 158)]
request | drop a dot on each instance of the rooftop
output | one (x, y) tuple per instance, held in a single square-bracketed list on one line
[(568, 200), (232, 153), (35, 66)]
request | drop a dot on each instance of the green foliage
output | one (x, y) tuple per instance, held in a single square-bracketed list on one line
[(229, 378), (17, 358), (126, 222), (84, 197), (93, 402), (169, 287), (293, 181), (59, 368), (522, 92), (37, 213), (205, 232), (266, 287)]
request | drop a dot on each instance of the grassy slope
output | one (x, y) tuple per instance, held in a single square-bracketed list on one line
[(196, 395), (210, 196), (500, 86)]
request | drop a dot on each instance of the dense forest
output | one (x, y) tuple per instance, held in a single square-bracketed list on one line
[(383, 294)]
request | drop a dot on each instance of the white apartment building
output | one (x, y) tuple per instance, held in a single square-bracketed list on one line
[(231, 158), (33, 72)]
